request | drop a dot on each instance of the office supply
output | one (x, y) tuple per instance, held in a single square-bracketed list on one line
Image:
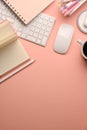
[(12, 54), (69, 10), (71, 6), (63, 38), (37, 31), (80, 21), (81, 2), (26, 10), (16, 71)]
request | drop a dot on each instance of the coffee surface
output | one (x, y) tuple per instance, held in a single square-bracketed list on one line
[(85, 49)]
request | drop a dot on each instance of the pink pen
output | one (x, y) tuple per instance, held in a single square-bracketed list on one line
[(69, 5), (72, 8), (81, 2)]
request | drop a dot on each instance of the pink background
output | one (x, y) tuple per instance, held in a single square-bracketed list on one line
[(51, 94)]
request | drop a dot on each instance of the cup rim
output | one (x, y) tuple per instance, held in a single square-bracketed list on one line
[(82, 51)]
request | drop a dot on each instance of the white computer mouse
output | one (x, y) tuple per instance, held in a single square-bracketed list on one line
[(63, 38)]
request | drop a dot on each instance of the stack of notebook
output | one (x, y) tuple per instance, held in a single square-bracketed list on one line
[(12, 53)]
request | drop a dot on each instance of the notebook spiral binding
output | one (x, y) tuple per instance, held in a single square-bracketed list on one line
[(16, 12)]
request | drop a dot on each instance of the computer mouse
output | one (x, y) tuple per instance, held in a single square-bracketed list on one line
[(85, 21), (63, 38)]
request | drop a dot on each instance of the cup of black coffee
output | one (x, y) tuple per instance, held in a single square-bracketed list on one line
[(83, 49)]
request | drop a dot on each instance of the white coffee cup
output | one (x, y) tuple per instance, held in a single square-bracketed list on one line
[(83, 48)]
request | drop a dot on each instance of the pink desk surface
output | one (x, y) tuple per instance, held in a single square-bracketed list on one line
[(51, 94)]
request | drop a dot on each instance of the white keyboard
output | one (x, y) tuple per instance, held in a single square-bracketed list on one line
[(37, 31)]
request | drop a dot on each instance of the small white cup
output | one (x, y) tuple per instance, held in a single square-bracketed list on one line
[(83, 48)]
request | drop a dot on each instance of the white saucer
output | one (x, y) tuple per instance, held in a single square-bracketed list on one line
[(80, 21)]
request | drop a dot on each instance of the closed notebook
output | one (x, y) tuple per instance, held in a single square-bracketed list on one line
[(27, 9), (12, 53)]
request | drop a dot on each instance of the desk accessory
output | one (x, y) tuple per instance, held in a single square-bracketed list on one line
[(63, 39), (69, 7), (83, 48), (16, 71), (37, 31), (81, 2), (12, 53), (26, 10), (81, 21)]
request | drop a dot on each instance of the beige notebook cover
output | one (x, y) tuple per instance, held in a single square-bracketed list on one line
[(27, 9), (12, 53)]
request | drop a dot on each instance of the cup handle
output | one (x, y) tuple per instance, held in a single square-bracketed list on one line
[(80, 42)]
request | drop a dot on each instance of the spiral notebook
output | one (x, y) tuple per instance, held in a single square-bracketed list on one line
[(26, 10)]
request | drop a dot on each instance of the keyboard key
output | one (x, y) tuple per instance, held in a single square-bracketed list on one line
[(30, 33), (45, 22), (3, 17), (20, 29), (0, 10), (19, 33), (4, 12), (40, 36), (46, 33), (44, 27), (42, 32), (35, 34), (48, 29), (44, 41), (32, 28), (23, 35), (40, 21), (32, 39), (50, 24), (38, 41), (52, 19), (38, 25), (37, 30)]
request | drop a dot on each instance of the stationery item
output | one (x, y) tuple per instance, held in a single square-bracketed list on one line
[(71, 6), (81, 21), (81, 2), (67, 13), (63, 39), (12, 53), (26, 10), (83, 48), (37, 31), (16, 71)]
